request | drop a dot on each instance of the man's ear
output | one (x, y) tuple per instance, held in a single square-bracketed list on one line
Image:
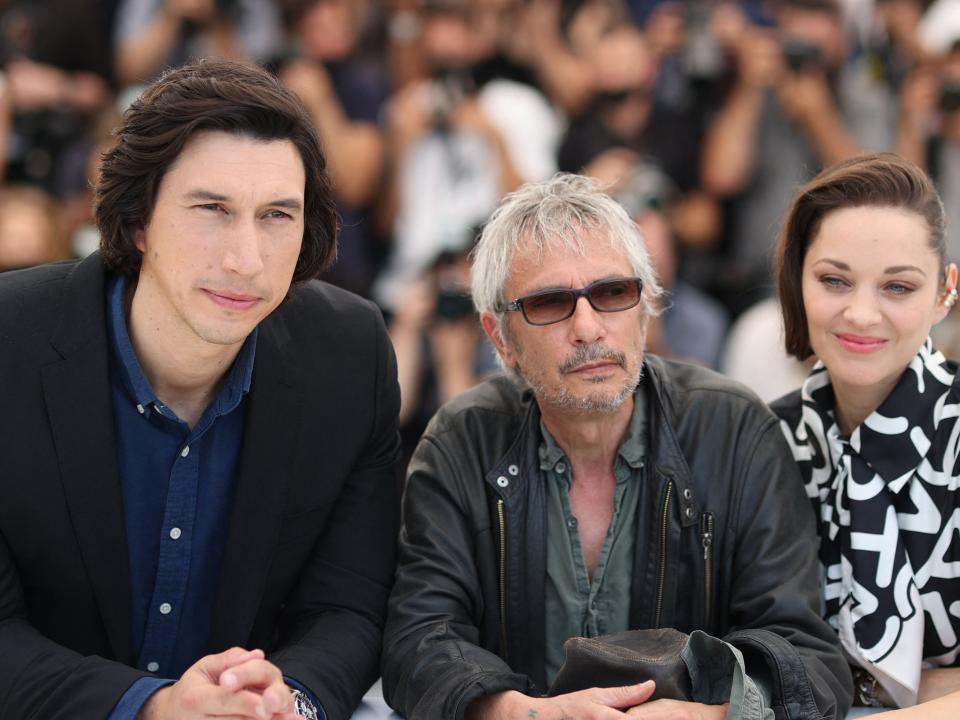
[(492, 328), (140, 238)]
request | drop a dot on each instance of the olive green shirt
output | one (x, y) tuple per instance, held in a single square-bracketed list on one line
[(575, 606)]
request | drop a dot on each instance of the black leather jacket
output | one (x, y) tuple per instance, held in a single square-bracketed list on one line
[(725, 543)]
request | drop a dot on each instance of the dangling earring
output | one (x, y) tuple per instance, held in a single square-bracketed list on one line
[(950, 300)]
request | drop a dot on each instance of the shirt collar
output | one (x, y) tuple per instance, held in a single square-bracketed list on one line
[(633, 451), (235, 385)]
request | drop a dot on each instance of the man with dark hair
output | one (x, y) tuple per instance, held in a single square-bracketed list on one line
[(191, 525)]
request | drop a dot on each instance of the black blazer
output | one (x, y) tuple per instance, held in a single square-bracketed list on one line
[(311, 548)]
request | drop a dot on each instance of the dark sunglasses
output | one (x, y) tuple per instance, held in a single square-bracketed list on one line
[(551, 306)]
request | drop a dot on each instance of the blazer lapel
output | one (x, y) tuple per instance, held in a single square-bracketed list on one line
[(77, 394), (266, 466)]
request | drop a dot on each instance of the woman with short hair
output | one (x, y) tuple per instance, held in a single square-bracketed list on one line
[(862, 277)]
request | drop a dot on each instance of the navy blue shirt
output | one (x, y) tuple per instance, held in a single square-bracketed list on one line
[(176, 525)]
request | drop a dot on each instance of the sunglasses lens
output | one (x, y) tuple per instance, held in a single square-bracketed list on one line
[(553, 306), (615, 295), (548, 307)]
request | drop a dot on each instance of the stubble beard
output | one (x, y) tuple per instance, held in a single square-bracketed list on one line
[(598, 402)]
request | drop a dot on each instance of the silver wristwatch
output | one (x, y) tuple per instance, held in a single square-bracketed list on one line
[(865, 689), (303, 705)]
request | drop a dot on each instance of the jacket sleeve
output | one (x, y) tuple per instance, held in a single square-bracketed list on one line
[(433, 663), (332, 622), (774, 583), (41, 679)]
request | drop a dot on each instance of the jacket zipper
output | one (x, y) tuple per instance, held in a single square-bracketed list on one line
[(706, 537), (503, 578), (663, 550)]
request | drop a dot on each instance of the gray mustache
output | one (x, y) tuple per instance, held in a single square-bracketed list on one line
[(592, 353)]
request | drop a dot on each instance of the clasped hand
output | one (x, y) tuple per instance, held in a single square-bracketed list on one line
[(235, 685)]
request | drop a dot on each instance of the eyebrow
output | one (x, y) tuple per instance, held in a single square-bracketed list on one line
[(210, 196), (892, 270)]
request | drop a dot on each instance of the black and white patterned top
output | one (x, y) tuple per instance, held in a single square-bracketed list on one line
[(888, 505)]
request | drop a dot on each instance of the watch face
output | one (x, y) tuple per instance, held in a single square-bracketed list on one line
[(303, 706)]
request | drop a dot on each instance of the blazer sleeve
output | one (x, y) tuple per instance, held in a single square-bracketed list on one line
[(41, 679), (331, 635)]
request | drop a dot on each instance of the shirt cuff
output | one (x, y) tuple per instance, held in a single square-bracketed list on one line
[(136, 697), (304, 689), (718, 675)]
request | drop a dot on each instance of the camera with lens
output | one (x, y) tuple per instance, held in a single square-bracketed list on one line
[(950, 96), (225, 7), (453, 304), (802, 56), (450, 273), (452, 86)]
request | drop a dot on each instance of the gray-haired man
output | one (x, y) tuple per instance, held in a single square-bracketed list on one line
[(595, 489)]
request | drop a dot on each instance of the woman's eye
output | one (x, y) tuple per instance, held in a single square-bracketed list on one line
[(833, 282), (899, 289)]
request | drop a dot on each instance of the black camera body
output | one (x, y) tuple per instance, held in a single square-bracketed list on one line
[(802, 56), (453, 304), (950, 96), (452, 86), (225, 7)]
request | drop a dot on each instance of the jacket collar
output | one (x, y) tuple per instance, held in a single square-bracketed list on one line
[(518, 465), (666, 455)]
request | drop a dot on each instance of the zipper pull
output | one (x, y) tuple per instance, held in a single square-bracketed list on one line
[(706, 533)]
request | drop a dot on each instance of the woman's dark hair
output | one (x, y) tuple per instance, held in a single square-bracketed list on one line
[(210, 95), (874, 180)]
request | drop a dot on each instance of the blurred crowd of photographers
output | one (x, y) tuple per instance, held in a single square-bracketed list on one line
[(702, 116)]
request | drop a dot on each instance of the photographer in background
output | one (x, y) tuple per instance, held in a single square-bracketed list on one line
[(56, 78), (152, 35), (455, 145), (344, 94), (929, 132), (929, 135), (793, 108), (441, 351)]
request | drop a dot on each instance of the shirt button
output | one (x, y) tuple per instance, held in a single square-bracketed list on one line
[(185, 451), (175, 533), (140, 409), (571, 522), (165, 609), (153, 666), (513, 470), (502, 481), (687, 493), (560, 467), (690, 513)]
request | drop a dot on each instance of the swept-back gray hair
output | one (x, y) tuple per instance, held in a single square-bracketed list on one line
[(551, 215)]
